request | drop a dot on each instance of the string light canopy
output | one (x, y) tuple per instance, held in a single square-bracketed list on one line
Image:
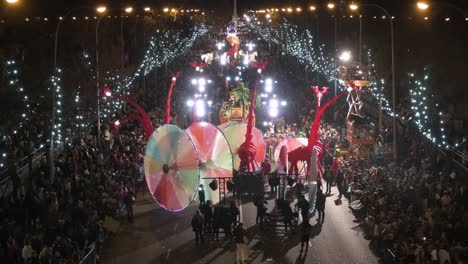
[(165, 46), (55, 81), (426, 113), (297, 44), (13, 83)]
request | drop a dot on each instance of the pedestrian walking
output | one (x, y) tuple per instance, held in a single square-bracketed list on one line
[(320, 205), (305, 235), (197, 226), (304, 206), (339, 182), (329, 179), (261, 210), (234, 212), (217, 221), (201, 194), (207, 211), (241, 244)]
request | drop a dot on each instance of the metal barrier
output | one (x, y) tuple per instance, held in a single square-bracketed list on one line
[(389, 257), (23, 170)]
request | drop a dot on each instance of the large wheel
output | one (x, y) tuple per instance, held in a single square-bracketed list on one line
[(214, 155), (235, 135), (171, 168)]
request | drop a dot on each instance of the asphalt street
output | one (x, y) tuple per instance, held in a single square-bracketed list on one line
[(157, 236)]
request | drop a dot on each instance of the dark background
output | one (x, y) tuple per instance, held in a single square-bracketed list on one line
[(435, 43)]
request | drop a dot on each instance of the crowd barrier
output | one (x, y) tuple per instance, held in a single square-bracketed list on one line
[(23, 166)]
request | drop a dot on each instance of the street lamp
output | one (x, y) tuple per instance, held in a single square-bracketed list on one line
[(422, 5), (101, 9), (312, 8), (331, 6), (353, 6), (12, 2), (395, 155), (129, 9), (147, 9)]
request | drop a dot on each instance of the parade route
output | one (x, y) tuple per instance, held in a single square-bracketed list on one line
[(158, 236)]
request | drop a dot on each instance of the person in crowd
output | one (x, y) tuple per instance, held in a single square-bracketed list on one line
[(339, 182), (201, 194), (227, 223), (287, 213), (261, 211), (241, 244), (217, 221), (328, 179), (207, 211), (299, 188), (305, 236), (320, 205), (335, 165), (234, 212), (197, 226), (304, 206)]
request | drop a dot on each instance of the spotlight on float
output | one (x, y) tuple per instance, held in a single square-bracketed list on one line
[(194, 81), (117, 123), (200, 108), (345, 56), (274, 103), (190, 103), (269, 85), (213, 185), (273, 112), (284, 103)]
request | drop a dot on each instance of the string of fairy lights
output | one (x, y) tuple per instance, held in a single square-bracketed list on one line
[(56, 87), (297, 44), (164, 47), (426, 113), (13, 83), (377, 87)]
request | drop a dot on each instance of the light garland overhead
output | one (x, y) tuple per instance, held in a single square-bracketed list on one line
[(56, 79), (164, 47), (298, 44), (427, 115), (13, 83), (376, 87)]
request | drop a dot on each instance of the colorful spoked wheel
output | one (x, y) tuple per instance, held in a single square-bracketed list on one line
[(291, 143), (214, 155), (235, 135), (171, 168)]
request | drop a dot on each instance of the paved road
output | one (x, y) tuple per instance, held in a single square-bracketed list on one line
[(158, 237)]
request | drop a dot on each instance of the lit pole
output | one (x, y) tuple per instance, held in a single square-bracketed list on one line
[(423, 6), (52, 133), (395, 154), (101, 10), (331, 6)]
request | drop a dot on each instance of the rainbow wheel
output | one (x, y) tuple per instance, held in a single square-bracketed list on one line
[(214, 155), (235, 135), (291, 143), (171, 168), (226, 124)]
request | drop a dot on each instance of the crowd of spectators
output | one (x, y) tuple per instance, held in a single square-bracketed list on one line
[(416, 209), (57, 220)]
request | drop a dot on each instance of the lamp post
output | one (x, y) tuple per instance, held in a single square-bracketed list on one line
[(98, 89), (423, 6), (52, 134), (395, 154)]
